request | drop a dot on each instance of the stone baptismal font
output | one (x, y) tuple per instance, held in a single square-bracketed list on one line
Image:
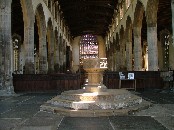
[(94, 99)]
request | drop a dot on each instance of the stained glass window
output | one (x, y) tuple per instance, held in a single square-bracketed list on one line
[(88, 47)]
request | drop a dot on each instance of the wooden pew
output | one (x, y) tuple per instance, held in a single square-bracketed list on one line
[(46, 82), (144, 79)]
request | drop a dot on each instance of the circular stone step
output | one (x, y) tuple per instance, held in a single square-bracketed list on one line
[(110, 102)]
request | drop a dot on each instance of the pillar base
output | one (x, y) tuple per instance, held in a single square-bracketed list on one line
[(6, 93)]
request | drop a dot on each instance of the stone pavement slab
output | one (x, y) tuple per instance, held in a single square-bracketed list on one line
[(156, 110), (22, 113), (16, 110), (8, 103), (10, 123), (135, 123), (85, 123), (168, 121), (38, 123)]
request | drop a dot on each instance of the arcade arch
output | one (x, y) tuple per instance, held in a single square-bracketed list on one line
[(40, 28)]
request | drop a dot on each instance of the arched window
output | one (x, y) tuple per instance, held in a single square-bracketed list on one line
[(16, 45), (88, 47)]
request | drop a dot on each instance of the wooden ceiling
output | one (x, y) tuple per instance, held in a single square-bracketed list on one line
[(95, 16), (164, 20), (164, 15), (88, 16)]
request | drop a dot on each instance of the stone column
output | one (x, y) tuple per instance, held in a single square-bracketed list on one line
[(42, 31), (6, 53), (1, 55), (137, 49), (22, 57), (129, 49), (75, 54), (64, 55), (43, 67), (56, 55), (52, 51), (124, 53), (151, 16), (111, 57), (152, 48), (61, 52), (172, 7), (101, 46), (129, 55), (112, 62), (29, 48), (122, 49), (118, 60), (117, 47), (113, 54)]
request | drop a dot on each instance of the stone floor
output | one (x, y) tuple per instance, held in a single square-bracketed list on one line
[(21, 112)]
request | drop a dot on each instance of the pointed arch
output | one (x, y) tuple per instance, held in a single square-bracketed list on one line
[(41, 26)]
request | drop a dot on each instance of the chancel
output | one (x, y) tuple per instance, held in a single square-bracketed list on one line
[(67, 62)]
